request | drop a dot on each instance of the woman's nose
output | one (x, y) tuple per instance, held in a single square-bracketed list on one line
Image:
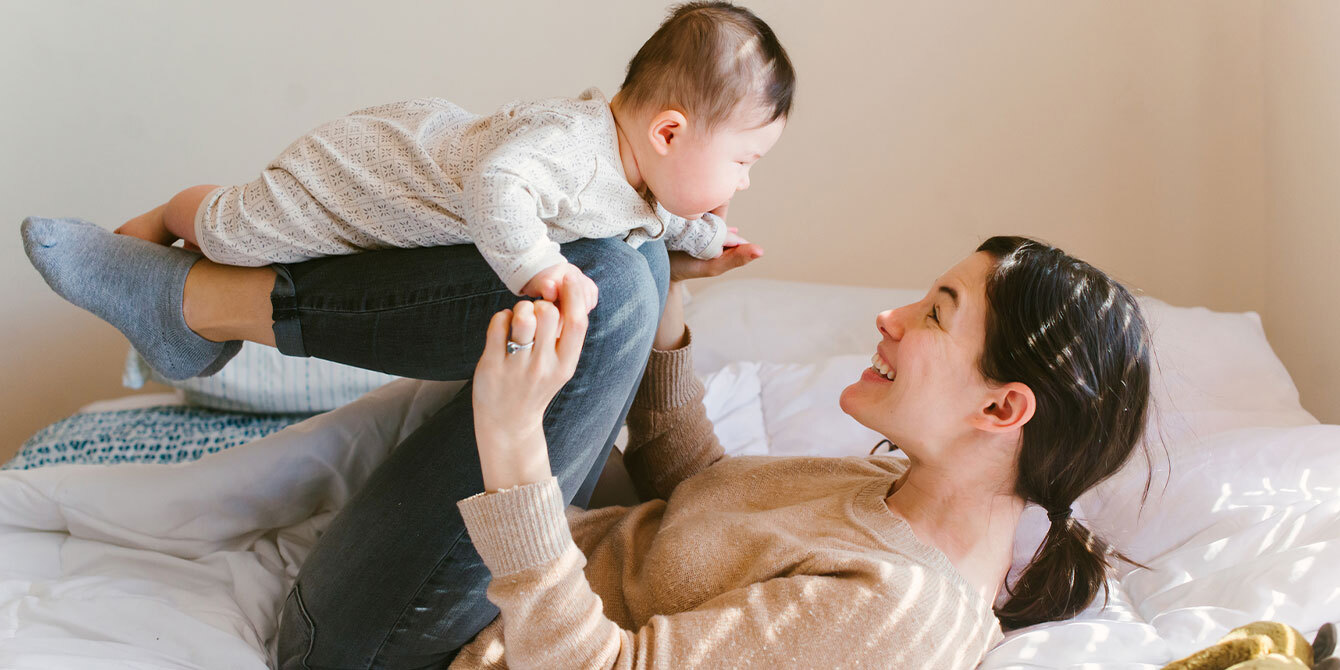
[(889, 324)]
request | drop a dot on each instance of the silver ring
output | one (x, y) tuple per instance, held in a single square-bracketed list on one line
[(513, 347)]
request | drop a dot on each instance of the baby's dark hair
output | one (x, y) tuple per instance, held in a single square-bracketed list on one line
[(706, 59)]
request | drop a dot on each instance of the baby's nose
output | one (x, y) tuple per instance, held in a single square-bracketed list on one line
[(744, 183)]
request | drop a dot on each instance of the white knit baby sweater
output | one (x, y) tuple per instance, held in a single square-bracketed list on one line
[(516, 184)]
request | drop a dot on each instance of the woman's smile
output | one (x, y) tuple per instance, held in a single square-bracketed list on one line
[(881, 366), (873, 375)]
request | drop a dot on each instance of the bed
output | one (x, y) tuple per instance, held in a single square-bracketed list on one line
[(183, 564)]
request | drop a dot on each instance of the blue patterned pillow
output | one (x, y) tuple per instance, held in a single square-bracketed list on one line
[(169, 434)]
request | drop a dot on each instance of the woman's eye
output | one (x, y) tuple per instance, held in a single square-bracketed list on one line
[(935, 314)]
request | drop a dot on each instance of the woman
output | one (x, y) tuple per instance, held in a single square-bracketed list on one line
[(1022, 376)]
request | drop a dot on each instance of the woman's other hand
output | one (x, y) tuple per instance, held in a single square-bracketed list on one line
[(512, 391), (684, 266), (670, 333)]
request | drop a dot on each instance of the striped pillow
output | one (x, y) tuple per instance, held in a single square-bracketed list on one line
[(262, 380)]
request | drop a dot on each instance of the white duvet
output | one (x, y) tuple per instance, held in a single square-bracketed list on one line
[(147, 566)]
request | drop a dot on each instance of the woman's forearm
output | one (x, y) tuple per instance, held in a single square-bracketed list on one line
[(670, 437), (671, 333), (513, 457)]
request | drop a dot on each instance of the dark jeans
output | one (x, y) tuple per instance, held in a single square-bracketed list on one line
[(395, 582)]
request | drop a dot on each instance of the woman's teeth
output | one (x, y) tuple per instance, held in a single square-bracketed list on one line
[(878, 364)]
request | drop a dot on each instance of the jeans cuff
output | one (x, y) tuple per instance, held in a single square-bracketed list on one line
[(284, 306)]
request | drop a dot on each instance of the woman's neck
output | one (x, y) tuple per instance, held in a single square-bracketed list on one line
[(968, 512)]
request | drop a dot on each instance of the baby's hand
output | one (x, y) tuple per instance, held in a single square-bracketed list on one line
[(548, 284), (733, 239)]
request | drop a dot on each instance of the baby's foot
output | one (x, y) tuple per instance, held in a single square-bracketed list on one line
[(149, 227), (130, 283)]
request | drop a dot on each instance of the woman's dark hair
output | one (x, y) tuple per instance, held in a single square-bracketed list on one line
[(1077, 339), (707, 58)]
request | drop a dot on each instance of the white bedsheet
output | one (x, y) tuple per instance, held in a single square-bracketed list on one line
[(1247, 529), (181, 566)]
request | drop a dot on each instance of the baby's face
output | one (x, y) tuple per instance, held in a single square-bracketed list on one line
[(705, 171)]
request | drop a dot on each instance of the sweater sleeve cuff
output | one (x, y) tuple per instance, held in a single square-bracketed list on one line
[(669, 381), (716, 244), (518, 528), (543, 255)]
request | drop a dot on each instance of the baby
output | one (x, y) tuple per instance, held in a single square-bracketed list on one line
[(704, 99)]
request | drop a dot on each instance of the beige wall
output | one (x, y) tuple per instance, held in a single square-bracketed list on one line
[(1130, 132), (1114, 129), (1302, 133)]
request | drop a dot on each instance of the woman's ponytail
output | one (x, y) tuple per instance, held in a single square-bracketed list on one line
[(1064, 576), (1077, 339)]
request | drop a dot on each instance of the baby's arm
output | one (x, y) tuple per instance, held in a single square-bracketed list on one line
[(703, 238), (504, 195), (171, 221)]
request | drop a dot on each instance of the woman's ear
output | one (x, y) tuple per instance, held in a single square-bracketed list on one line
[(1006, 408), (666, 128)]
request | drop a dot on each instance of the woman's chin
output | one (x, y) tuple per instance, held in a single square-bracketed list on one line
[(864, 418), (846, 400), (856, 401), (867, 400)]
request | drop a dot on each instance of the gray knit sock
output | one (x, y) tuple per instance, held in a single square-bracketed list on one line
[(130, 283)]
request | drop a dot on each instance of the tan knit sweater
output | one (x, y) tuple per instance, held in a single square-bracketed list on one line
[(737, 563)]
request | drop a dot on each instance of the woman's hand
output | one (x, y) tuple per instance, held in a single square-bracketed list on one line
[(670, 331), (512, 391), (684, 266)]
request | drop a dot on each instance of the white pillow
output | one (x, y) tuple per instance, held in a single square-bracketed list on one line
[(1215, 370), (1214, 373), (786, 409), (262, 380)]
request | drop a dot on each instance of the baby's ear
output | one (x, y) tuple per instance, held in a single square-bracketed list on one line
[(666, 129)]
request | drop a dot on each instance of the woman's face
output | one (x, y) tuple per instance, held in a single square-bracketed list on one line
[(924, 387)]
